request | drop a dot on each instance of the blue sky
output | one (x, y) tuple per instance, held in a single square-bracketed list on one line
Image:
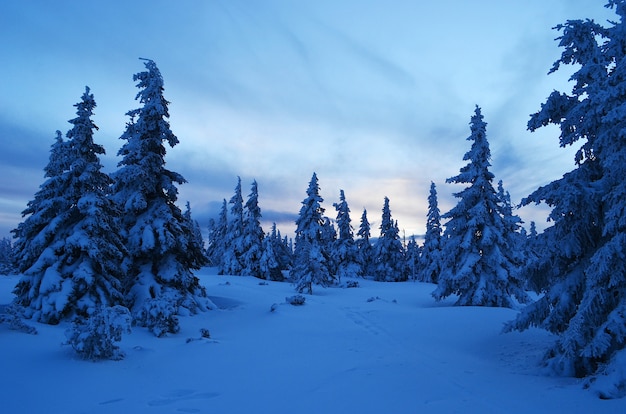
[(374, 96)]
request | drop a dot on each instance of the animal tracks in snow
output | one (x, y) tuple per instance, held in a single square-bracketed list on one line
[(177, 396), (366, 323)]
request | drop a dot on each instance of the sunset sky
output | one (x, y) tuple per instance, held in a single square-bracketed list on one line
[(373, 96)]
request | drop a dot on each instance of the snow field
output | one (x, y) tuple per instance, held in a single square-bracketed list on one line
[(379, 348)]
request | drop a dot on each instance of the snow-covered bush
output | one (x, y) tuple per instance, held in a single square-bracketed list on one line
[(295, 300), (94, 338), (352, 284), (204, 334), (12, 316), (159, 316)]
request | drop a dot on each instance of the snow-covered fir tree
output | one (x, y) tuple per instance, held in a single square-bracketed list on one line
[(252, 235), (586, 300), (284, 249), (310, 258), (6, 257), (329, 237), (388, 250), (344, 250), (217, 237), (269, 267), (513, 223), (431, 259), (478, 264), (159, 266), (77, 269), (534, 248), (232, 260), (511, 220), (276, 256), (365, 250), (43, 214), (195, 240), (413, 252)]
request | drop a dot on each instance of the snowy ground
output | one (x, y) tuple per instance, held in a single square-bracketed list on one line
[(379, 348)]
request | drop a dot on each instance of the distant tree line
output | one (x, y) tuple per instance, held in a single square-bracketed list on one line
[(326, 249)]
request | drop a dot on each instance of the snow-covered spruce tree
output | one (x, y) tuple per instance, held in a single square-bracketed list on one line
[(253, 235), (43, 213), (193, 237), (365, 250), (232, 260), (310, 258), (586, 300), (78, 266), (478, 264), (274, 258), (159, 282), (329, 237), (7, 265), (388, 250), (513, 223), (217, 238), (283, 248), (534, 248), (344, 250), (413, 252), (269, 267), (431, 259)]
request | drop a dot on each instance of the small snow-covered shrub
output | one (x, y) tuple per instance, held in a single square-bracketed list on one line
[(94, 338), (295, 300), (159, 316), (204, 334), (12, 316), (352, 284)]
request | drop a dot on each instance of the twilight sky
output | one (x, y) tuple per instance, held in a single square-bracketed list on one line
[(374, 96)]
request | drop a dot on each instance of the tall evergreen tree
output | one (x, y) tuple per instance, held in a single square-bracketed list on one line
[(7, 265), (517, 240), (344, 250), (253, 235), (512, 221), (284, 248), (536, 278), (159, 266), (43, 213), (413, 253), (217, 238), (276, 257), (269, 266), (71, 249), (232, 261), (431, 259), (388, 250), (364, 246), (586, 301), (194, 239), (310, 259), (478, 265)]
